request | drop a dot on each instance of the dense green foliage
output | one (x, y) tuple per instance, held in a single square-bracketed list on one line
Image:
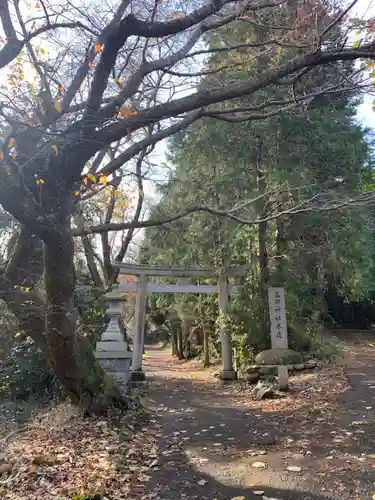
[(288, 171), (26, 374), (90, 304)]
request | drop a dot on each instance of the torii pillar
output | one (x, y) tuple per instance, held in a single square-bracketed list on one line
[(137, 374)]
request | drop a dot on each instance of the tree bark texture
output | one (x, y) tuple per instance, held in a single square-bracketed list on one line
[(281, 249), (180, 344), (70, 354), (186, 338), (174, 343), (206, 347), (262, 227)]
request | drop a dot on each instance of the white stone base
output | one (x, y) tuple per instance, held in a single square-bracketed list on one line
[(282, 378), (112, 336), (112, 345), (228, 375), (113, 354)]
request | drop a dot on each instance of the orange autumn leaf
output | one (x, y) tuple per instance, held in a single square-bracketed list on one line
[(175, 15), (126, 112), (103, 180), (98, 46), (57, 104), (118, 82), (91, 177), (11, 142)]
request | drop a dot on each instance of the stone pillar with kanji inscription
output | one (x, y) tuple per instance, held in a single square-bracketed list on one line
[(138, 374), (279, 331)]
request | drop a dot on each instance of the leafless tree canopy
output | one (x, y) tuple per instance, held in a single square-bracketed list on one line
[(86, 89)]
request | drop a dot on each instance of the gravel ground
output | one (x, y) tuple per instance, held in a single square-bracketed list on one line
[(318, 443)]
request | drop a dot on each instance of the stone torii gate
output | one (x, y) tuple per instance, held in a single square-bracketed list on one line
[(112, 350)]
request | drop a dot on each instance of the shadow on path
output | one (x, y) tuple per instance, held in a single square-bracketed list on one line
[(213, 434)]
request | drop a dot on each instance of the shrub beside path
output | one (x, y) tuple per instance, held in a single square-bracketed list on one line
[(217, 442)]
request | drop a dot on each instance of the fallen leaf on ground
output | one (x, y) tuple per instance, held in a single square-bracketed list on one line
[(202, 482), (6, 468), (259, 465), (33, 468), (294, 468)]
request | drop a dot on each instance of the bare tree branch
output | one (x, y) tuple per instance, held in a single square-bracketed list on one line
[(339, 18), (137, 213), (162, 29), (14, 46), (88, 249), (204, 98), (151, 140), (106, 248), (366, 198)]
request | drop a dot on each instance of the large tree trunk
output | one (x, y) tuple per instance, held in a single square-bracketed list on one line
[(206, 347), (71, 355), (174, 343), (262, 227), (262, 236), (281, 249), (186, 339), (180, 344)]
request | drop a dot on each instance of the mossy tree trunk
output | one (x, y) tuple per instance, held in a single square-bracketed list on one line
[(70, 354), (50, 318)]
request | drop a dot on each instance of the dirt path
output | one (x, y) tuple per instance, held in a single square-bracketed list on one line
[(212, 434)]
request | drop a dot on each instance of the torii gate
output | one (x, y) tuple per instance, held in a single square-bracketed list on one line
[(113, 347)]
